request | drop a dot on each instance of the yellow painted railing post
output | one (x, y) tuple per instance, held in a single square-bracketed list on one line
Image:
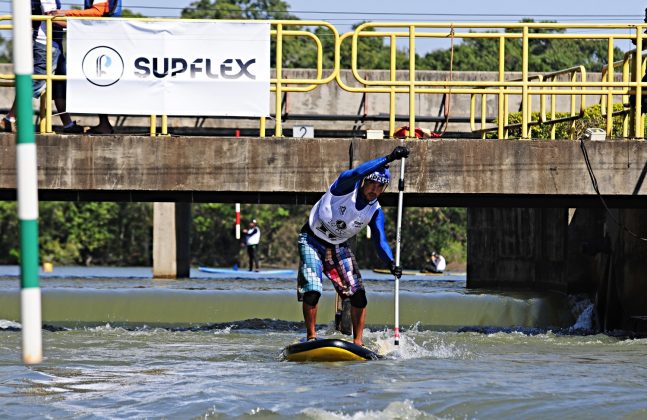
[(573, 99), (412, 81), (48, 81), (553, 115), (278, 129), (164, 125), (524, 89), (393, 75), (501, 88), (639, 122), (483, 112), (610, 78), (626, 78), (153, 125), (261, 128), (473, 113)]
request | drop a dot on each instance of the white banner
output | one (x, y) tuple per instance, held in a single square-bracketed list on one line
[(125, 67)]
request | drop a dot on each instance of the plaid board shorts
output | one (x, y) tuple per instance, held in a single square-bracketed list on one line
[(337, 262)]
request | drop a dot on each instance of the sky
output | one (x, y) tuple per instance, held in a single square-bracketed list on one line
[(343, 13)]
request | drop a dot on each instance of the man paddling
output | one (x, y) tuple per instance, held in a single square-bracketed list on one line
[(344, 210)]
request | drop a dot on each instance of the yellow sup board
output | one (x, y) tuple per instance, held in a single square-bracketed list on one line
[(328, 350)]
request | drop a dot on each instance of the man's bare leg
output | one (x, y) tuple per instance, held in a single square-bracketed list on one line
[(358, 316), (310, 318)]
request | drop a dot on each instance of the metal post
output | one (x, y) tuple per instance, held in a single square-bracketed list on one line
[(396, 328), (27, 186)]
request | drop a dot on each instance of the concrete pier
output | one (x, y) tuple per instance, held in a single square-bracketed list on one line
[(447, 172), (171, 240)]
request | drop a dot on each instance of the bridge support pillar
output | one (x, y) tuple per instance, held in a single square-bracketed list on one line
[(517, 248), (586, 250), (621, 302), (171, 240)]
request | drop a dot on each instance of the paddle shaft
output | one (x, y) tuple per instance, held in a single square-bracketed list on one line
[(398, 231)]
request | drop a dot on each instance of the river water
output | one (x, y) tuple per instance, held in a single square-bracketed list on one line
[(119, 344)]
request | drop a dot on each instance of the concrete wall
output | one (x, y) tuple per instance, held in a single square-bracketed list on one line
[(439, 172)]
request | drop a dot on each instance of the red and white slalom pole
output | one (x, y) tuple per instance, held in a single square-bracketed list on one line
[(237, 220), (27, 186)]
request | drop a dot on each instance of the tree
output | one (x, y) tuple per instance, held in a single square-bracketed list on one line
[(545, 54), (297, 51), (372, 53), (237, 9), (127, 13)]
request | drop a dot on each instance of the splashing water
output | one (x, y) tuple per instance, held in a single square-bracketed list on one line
[(585, 320), (397, 409), (433, 347)]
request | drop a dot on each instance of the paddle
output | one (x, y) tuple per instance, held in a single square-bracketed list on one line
[(398, 230)]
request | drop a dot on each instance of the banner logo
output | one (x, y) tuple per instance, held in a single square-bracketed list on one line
[(231, 68), (103, 66)]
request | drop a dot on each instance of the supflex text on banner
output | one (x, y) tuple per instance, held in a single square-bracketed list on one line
[(129, 67)]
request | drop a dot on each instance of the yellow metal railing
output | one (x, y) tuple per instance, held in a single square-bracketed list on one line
[(543, 88), (526, 87), (607, 102), (575, 111)]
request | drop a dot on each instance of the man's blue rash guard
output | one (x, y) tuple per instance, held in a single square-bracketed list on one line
[(350, 180)]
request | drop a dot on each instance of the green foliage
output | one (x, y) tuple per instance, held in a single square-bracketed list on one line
[(9, 232), (83, 233), (237, 9), (567, 130), (423, 231), (427, 229), (120, 234), (213, 239), (127, 13), (297, 51), (105, 233)]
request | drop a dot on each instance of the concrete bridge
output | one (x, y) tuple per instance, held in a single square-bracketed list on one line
[(535, 220)]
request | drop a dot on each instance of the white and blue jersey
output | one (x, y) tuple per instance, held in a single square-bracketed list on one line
[(341, 213)]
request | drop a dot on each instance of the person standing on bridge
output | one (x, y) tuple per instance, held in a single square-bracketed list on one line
[(344, 210), (252, 239), (95, 8), (59, 66)]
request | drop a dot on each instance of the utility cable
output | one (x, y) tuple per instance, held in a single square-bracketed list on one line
[(594, 16), (448, 103), (594, 182)]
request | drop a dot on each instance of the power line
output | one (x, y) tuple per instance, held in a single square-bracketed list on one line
[(577, 16)]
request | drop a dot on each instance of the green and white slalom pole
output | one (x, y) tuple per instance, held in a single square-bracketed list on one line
[(27, 185), (398, 240)]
